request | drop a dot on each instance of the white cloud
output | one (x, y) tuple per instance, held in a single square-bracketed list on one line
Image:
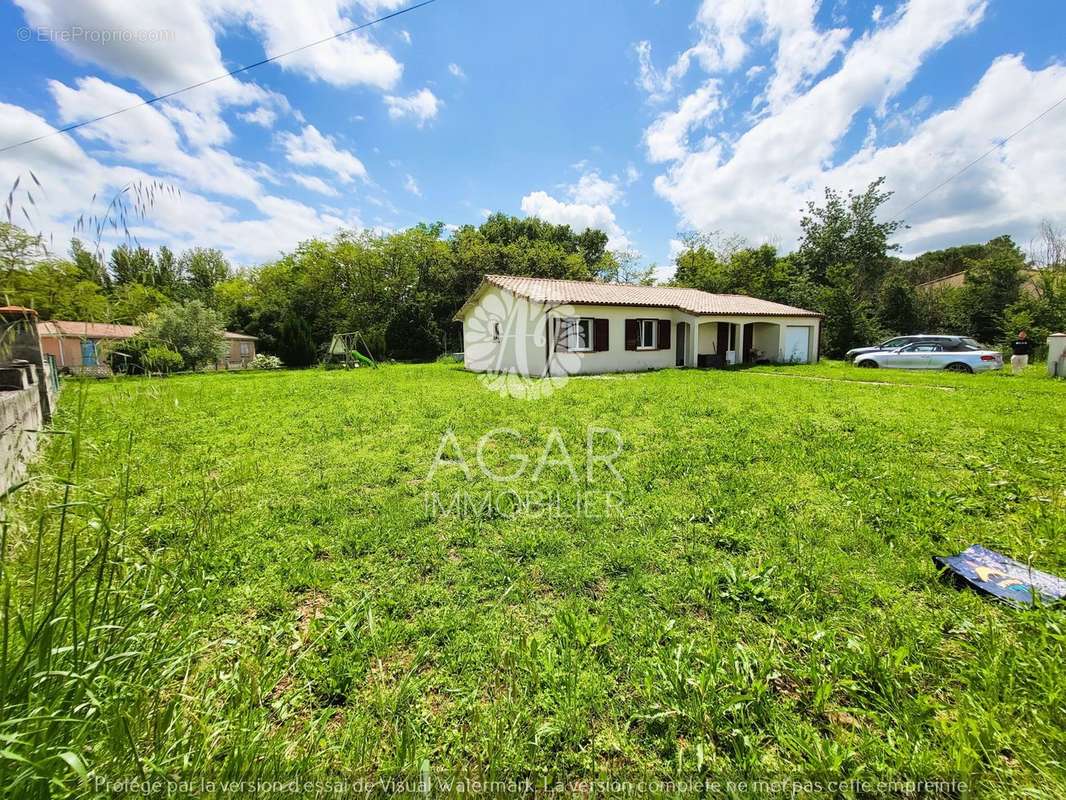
[(1010, 191), (71, 178), (314, 183), (656, 83), (578, 216), (347, 61), (261, 116), (591, 189), (147, 137), (406, 36), (757, 185), (590, 207), (724, 28), (411, 185), (421, 106), (311, 148), (667, 137), (183, 49), (632, 174), (456, 71)]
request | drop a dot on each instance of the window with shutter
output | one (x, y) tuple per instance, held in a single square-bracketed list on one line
[(631, 333), (560, 335), (601, 335), (664, 334), (646, 334), (574, 334)]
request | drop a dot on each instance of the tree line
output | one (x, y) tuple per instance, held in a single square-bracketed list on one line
[(400, 290), (847, 268)]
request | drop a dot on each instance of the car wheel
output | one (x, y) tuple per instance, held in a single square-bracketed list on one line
[(866, 363), (958, 366)]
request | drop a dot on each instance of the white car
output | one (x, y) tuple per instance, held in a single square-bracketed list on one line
[(954, 357)]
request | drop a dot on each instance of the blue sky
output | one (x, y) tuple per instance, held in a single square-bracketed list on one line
[(647, 119)]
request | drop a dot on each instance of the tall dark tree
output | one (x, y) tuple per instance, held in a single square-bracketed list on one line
[(898, 307), (89, 264), (412, 333), (133, 265), (296, 345)]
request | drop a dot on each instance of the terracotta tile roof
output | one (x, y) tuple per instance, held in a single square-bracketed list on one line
[(86, 330), (692, 301), (106, 330)]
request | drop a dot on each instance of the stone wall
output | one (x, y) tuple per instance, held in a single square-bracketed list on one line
[(21, 418)]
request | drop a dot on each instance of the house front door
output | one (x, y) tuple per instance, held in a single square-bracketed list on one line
[(682, 331), (723, 343)]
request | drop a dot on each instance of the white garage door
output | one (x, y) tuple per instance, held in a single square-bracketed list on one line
[(797, 344)]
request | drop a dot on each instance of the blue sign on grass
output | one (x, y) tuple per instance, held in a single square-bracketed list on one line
[(1002, 577)]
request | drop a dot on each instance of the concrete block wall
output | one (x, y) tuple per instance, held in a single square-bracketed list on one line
[(21, 417)]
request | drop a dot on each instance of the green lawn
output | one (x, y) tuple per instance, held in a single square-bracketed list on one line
[(752, 595)]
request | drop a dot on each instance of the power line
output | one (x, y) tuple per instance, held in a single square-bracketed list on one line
[(983, 155), (230, 74)]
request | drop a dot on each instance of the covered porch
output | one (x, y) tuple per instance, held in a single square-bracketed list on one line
[(733, 341)]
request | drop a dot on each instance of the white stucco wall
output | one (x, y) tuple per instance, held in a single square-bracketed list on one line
[(522, 347), (524, 325), (617, 358)]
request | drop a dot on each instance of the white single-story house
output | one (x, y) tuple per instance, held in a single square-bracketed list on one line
[(539, 326)]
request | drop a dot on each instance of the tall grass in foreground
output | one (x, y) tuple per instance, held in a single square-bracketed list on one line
[(94, 658)]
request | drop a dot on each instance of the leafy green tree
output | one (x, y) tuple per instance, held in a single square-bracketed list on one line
[(89, 265), (130, 302), (191, 329), (57, 289), (202, 269), (133, 265), (1041, 311), (623, 266), (162, 359), (235, 299), (18, 250), (846, 231), (993, 283), (847, 320), (898, 306)]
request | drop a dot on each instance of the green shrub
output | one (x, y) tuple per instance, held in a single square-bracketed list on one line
[(161, 359)]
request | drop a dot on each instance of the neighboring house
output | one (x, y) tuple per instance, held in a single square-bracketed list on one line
[(76, 346), (958, 279), (537, 326), (241, 350)]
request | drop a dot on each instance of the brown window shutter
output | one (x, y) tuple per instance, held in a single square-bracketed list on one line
[(631, 334), (601, 335), (560, 335), (664, 334)]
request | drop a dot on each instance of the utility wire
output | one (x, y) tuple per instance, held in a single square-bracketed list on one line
[(230, 74), (983, 155)]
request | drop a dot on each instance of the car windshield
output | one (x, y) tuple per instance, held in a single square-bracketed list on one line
[(899, 341)]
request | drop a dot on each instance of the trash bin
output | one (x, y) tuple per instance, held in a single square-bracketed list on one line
[(1056, 355)]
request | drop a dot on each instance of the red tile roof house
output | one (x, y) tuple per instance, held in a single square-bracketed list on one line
[(537, 327), (75, 345)]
